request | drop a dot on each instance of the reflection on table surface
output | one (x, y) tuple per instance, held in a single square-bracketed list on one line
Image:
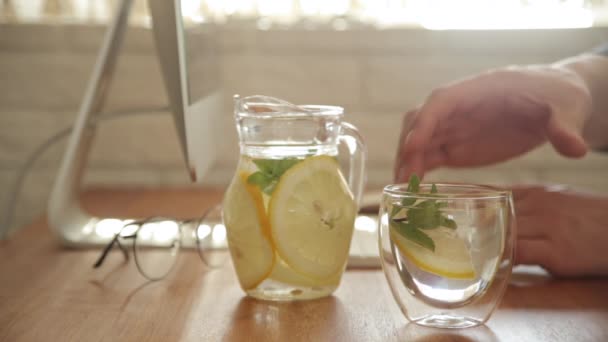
[(48, 292)]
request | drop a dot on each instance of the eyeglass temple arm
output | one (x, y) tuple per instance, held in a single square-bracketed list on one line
[(107, 249)]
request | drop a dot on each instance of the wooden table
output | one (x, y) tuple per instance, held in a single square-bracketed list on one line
[(48, 293)]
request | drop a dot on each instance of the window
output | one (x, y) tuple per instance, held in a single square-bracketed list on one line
[(341, 14)]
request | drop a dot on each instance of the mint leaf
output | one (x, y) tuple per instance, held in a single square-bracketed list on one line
[(448, 222), (414, 234), (414, 184), (396, 209), (408, 201), (265, 165), (284, 165), (275, 167), (270, 172), (262, 180), (425, 215), (420, 237), (258, 178)]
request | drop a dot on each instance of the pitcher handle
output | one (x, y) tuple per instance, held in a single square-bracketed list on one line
[(350, 137)]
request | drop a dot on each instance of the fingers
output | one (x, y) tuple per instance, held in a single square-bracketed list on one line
[(406, 127), (435, 157), (417, 133), (566, 142), (426, 120)]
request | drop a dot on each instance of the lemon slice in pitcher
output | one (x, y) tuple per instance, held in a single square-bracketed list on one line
[(283, 273), (312, 213), (451, 258), (247, 230)]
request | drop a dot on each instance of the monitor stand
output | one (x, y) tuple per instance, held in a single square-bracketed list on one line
[(67, 219)]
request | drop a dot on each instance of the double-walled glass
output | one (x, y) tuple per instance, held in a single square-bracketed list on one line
[(289, 211), (450, 274)]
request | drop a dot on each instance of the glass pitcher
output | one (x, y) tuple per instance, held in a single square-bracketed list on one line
[(289, 212)]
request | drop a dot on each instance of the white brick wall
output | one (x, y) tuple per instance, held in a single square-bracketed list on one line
[(375, 74), (301, 79)]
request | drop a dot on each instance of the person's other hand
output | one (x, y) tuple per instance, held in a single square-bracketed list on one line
[(492, 117), (564, 231)]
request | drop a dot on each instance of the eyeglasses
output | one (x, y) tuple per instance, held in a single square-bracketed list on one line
[(156, 242)]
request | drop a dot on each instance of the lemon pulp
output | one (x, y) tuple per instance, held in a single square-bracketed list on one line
[(312, 214), (451, 258)]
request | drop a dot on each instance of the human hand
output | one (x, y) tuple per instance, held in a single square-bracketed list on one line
[(495, 116), (562, 230)]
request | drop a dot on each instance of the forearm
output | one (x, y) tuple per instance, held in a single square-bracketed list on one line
[(593, 71)]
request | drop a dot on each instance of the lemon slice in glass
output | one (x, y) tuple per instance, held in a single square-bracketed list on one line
[(248, 232), (451, 258), (312, 214)]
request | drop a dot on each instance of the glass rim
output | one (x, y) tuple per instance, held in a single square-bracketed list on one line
[(482, 192), (264, 107), (309, 110)]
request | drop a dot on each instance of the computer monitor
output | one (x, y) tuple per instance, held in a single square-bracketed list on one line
[(188, 60), (194, 101)]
